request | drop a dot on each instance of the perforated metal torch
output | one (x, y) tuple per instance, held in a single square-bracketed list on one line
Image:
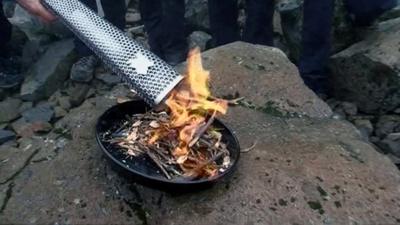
[(144, 72)]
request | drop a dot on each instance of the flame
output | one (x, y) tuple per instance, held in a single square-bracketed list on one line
[(189, 106)]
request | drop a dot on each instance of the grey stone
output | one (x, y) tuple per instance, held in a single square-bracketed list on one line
[(19, 126), (91, 93), (132, 17), (49, 72), (25, 106), (136, 31), (27, 129), (374, 139), (339, 114), (59, 112), (333, 103), (108, 78), (395, 159), (368, 72), (42, 113), (264, 76), (6, 135), (77, 93), (199, 39), (391, 14), (391, 144), (349, 108), (31, 52), (42, 127), (394, 137), (9, 109), (65, 102), (55, 97), (387, 124), (339, 110), (83, 70), (365, 127)]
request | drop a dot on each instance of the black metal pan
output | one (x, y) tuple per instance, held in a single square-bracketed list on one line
[(141, 169)]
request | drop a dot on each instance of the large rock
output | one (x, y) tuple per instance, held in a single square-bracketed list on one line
[(368, 72), (301, 171), (49, 72), (264, 76)]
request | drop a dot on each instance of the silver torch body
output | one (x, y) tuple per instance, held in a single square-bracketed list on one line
[(144, 72)]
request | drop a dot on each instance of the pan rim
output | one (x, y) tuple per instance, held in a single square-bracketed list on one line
[(106, 151)]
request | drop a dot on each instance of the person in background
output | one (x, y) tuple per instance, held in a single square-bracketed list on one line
[(10, 79), (316, 34), (114, 12), (164, 21), (259, 21)]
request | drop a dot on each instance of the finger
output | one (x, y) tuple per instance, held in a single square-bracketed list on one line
[(45, 14)]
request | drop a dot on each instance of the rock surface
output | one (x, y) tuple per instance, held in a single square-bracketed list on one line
[(6, 135), (368, 72), (264, 76), (391, 144), (42, 112), (49, 72), (9, 109), (83, 69), (301, 170), (295, 174)]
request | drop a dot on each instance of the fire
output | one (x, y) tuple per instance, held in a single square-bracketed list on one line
[(190, 105)]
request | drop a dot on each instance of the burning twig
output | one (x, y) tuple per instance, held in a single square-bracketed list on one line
[(180, 140), (158, 163), (202, 156), (201, 130)]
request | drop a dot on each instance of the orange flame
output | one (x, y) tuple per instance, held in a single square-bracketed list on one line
[(190, 104)]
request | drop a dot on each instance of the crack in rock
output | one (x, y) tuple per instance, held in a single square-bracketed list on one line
[(7, 197), (27, 162)]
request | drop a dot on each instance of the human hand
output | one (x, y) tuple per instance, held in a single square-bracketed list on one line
[(36, 8)]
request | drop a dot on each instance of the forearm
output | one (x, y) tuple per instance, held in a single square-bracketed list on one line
[(36, 8)]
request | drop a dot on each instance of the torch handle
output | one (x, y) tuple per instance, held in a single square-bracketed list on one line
[(148, 75)]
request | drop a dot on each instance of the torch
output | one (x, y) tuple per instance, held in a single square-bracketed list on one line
[(143, 71)]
